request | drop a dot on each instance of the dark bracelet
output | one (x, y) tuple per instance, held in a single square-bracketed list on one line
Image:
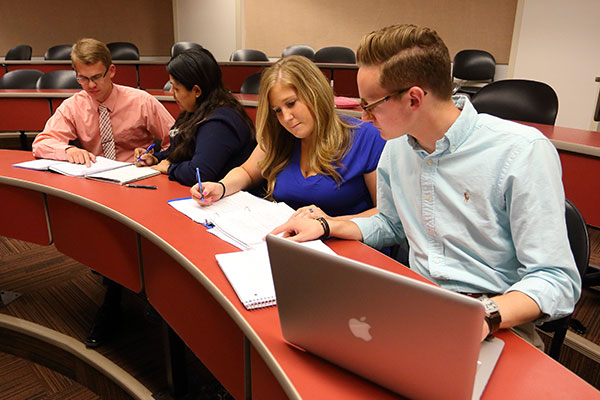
[(325, 226), (222, 184)]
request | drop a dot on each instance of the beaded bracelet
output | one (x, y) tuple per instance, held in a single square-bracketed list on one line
[(325, 226), (222, 184)]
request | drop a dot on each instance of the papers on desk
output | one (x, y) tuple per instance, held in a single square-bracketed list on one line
[(244, 220), (127, 174), (103, 169), (240, 219), (249, 273)]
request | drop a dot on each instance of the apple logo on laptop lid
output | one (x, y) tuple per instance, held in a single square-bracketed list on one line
[(360, 328)]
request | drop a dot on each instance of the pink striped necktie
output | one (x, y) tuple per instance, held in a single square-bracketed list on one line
[(106, 133)]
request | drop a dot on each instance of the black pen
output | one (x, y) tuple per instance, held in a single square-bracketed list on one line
[(141, 186)]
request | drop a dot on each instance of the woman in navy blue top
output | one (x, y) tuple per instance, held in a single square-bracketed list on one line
[(310, 157), (213, 132)]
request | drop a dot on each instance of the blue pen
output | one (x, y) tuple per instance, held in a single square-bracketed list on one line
[(146, 152), (199, 184)]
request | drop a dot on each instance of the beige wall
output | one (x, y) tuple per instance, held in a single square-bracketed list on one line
[(557, 43), (271, 25), (42, 24), (212, 23)]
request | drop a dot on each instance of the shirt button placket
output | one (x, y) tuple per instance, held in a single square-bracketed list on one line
[(428, 215)]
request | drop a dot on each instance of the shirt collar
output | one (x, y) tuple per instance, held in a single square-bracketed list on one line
[(111, 101), (459, 131)]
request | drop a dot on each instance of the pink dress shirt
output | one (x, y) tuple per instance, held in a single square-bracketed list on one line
[(135, 115)]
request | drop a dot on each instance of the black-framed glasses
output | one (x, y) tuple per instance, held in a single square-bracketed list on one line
[(95, 78), (368, 107)]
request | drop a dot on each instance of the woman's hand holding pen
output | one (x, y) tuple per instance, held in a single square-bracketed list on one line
[(211, 191), (145, 157)]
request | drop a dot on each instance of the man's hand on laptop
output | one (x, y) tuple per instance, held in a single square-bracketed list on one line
[(76, 155)]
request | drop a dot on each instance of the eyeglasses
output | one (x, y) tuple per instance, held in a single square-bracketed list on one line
[(368, 108), (95, 78)]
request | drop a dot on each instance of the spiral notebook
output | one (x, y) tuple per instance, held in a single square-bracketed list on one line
[(249, 273)]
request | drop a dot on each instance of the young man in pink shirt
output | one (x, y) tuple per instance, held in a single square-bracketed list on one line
[(108, 120), (136, 117)]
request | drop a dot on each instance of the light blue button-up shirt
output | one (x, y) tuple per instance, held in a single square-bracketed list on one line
[(483, 213)]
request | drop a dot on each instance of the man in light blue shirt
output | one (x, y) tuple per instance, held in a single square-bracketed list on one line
[(479, 199)]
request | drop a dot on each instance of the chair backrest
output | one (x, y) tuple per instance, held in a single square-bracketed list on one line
[(20, 52), (123, 51), (474, 65), (248, 55), (299, 49), (58, 52), (335, 54), (251, 84), (183, 46), (579, 238), (60, 79), (518, 99), (20, 79)]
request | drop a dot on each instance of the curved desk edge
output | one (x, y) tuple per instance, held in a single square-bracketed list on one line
[(92, 358), (576, 148), (229, 308)]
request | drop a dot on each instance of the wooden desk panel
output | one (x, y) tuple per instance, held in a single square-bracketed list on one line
[(344, 82), (234, 75), (197, 318), (96, 240), (581, 174), (126, 75), (40, 66), (23, 114), (23, 215), (153, 76)]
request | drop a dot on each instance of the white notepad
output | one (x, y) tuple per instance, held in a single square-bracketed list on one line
[(249, 273), (124, 175), (66, 168)]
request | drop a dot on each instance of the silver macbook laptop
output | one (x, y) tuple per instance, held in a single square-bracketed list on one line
[(416, 339)]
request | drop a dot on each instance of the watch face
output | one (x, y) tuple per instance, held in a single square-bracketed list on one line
[(490, 306)]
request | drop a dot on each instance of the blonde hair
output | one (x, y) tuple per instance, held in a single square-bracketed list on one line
[(90, 51), (331, 136), (408, 56)]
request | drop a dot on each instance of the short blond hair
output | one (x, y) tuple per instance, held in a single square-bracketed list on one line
[(408, 56), (331, 135), (90, 51)]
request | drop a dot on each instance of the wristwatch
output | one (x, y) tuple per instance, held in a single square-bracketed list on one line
[(492, 313)]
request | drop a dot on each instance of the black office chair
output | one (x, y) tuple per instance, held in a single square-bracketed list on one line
[(58, 52), (183, 46), (299, 49), (335, 54), (20, 79), (251, 84), (580, 247), (248, 55), (60, 79), (123, 51), (471, 66), (20, 52), (518, 99)]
